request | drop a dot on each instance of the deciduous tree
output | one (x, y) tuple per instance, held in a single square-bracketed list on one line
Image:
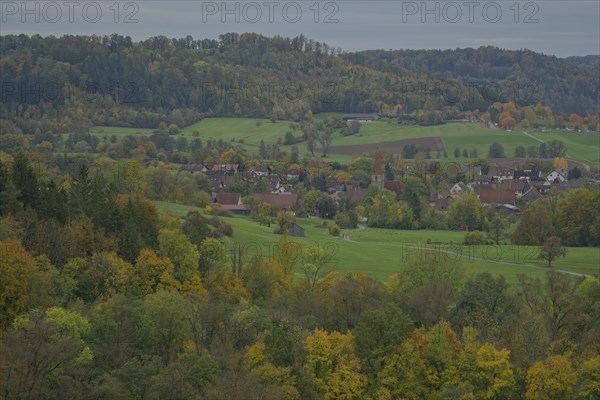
[(553, 378), (551, 250), (177, 247), (23, 285)]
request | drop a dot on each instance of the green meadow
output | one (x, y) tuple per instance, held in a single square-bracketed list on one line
[(581, 146), (119, 132), (383, 252), (248, 133)]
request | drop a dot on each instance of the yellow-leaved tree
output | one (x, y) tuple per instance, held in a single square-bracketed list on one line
[(256, 361), (22, 284), (553, 378), (493, 373), (589, 379), (560, 164), (407, 372), (149, 270), (333, 367)]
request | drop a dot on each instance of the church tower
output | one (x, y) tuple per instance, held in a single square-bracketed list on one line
[(377, 174)]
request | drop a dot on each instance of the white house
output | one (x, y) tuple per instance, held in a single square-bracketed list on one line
[(458, 188), (552, 176)]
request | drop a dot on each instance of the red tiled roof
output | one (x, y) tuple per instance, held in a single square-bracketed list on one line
[(514, 184), (226, 167), (228, 198), (496, 196), (277, 200), (224, 180)]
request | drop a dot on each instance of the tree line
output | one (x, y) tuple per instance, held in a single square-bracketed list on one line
[(71, 83)]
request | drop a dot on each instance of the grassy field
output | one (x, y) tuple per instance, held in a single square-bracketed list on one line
[(248, 133), (119, 132), (383, 252), (245, 129), (578, 260), (468, 136), (581, 146)]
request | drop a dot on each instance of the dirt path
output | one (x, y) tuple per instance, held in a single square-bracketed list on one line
[(346, 236), (533, 137), (586, 166)]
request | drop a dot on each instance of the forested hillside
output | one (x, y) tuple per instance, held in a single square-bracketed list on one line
[(74, 82), (567, 85)]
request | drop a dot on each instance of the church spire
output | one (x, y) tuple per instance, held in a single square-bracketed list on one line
[(377, 167), (377, 173)]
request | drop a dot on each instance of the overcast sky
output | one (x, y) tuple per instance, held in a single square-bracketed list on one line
[(562, 28)]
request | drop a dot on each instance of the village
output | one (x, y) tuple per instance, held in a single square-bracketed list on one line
[(505, 188)]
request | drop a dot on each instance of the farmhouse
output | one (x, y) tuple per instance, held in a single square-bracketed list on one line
[(529, 195), (241, 209), (259, 171), (220, 183), (495, 196), (360, 117), (228, 198), (231, 202), (482, 180), (508, 209), (519, 186), (458, 188), (333, 186), (299, 174), (277, 200), (527, 174), (195, 168), (498, 174), (277, 185), (225, 169), (556, 175)]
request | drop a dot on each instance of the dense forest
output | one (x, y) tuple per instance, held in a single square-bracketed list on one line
[(70, 83), (568, 85)]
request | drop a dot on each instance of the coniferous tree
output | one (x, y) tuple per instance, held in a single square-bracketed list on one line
[(26, 182)]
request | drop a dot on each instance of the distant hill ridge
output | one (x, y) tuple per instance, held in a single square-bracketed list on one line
[(74, 82)]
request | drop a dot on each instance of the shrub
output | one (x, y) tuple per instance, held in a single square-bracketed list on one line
[(347, 219), (225, 229), (474, 238), (215, 209), (334, 229)]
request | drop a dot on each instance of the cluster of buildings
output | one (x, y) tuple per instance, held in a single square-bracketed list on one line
[(221, 176), (507, 188)]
